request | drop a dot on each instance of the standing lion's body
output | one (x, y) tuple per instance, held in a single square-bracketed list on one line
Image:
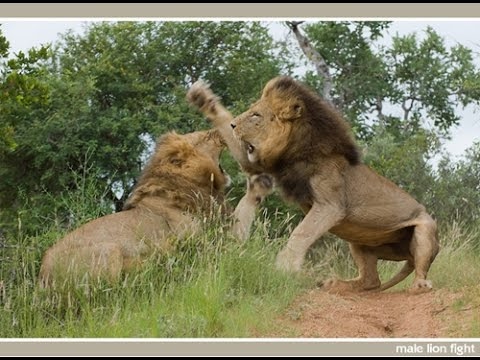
[(293, 135), (181, 181), (390, 209)]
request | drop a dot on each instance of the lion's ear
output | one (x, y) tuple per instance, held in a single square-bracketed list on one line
[(292, 110)]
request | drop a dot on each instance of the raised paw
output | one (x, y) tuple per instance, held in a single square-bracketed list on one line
[(200, 96)]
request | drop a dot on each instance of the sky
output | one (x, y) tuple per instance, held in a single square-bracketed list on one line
[(24, 34)]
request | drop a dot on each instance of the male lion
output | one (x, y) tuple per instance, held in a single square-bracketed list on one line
[(181, 180), (299, 139)]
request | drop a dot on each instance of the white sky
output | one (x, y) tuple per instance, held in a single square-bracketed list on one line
[(24, 34)]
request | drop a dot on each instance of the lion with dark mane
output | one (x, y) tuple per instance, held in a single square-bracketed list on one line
[(175, 192), (296, 137)]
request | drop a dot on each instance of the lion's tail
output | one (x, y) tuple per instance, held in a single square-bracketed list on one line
[(406, 270)]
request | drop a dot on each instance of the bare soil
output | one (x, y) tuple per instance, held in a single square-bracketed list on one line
[(436, 314)]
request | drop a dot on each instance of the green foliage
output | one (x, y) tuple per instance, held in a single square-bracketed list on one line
[(457, 188), (421, 79), (24, 98), (6, 131), (432, 79), (360, 75), (4, 45), (109, 92), (405, 161), (20, 91)]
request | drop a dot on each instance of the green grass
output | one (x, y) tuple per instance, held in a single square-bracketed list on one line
[(208, 286)]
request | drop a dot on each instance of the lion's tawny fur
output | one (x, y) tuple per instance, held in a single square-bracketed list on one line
[(174, 193)]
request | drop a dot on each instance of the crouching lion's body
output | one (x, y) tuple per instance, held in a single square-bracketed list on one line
[(179, 183), (293, 135)]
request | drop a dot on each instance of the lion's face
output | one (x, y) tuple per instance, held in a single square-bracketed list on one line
[(263, 134), (182, 168), (266, 129), (207, 143), (195, 156)]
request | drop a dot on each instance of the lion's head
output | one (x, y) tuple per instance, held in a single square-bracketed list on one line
[(290, 123), (184, 169)]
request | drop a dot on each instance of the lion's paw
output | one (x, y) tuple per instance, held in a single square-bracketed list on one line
[(337, 286), (421, 286), (288, 261), (201, 96), (327, 284), (260, 186)]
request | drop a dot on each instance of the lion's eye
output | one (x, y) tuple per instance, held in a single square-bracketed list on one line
[(176, 161), (256, 114), (250, 148)]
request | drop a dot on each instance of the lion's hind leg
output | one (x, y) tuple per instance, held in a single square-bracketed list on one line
[(424, 248), (368, 279), (97, 261)]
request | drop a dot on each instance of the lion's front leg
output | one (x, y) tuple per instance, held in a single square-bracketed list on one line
[(258, 188), (201, 96), (318, 221)]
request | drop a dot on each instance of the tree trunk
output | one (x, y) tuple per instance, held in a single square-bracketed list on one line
[(315, 57)]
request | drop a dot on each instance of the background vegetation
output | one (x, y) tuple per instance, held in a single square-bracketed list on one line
[(78, 117)]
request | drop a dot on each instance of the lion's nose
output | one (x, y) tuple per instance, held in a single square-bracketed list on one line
[(233, 125)]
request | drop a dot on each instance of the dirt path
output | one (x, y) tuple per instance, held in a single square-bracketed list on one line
[(377, 315)]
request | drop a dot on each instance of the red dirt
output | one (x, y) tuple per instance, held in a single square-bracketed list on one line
[(319, 314)]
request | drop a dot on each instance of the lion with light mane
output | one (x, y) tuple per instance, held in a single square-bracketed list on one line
[(295, 136), (175, 192)]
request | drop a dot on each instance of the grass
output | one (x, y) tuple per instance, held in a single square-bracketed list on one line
[(458, 271), (208, 286)]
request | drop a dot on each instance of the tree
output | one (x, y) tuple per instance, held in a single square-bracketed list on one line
[(6, 131), (422, 80), (101, 97), (457, 187), (19, 89), (141, 71), (24, 97)]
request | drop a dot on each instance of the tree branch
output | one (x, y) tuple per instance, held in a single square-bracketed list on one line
[(379, 108), (407, 109), (315, 57)]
